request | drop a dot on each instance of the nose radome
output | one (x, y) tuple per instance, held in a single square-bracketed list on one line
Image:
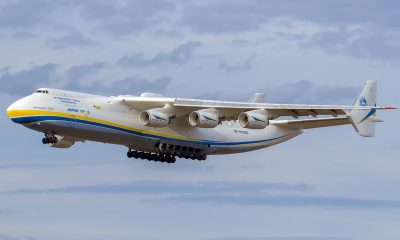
[(20, 104), (10, 110)]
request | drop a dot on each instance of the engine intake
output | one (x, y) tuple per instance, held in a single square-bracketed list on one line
[(206, 118), (256, 119), (159, 117)]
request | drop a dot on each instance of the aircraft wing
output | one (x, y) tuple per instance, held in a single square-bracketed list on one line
[(231, 110), (312, 123)]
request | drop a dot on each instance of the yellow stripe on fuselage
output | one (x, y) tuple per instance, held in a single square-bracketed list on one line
[(31, 113)]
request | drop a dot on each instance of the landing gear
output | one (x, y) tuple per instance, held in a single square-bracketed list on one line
[(169, 152), (49, 139), (151, 156), (183, 152)]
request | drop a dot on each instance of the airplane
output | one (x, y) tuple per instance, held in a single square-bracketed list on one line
[(158, 128)]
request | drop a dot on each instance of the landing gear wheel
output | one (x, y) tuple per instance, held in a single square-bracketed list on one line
[(141, 155)]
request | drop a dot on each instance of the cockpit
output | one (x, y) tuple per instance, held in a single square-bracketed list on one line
[(42, 91)]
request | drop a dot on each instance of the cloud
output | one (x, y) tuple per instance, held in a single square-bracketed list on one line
[(364, 42), (310, 93), (76, 72), (284, 200), (129, 85), (180, 54), (24, 82), (368, 34), (155, 187), (6, 237), (22, 14), (233, 193), (378, 38), (224, 16), (117, 17), (300, 92), (70, 40), (282, 238), (23, 35), (245, 66), (126, 17)]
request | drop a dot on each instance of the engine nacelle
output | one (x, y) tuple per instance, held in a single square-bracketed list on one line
[(157, 117), (61, 142), (206, 118), (256, 119)]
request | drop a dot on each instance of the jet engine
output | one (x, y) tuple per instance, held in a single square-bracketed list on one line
[(206, 118), (57, 141), (256, 119), (158, 117)]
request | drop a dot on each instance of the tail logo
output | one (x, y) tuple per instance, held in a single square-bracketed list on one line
[(363, 101)]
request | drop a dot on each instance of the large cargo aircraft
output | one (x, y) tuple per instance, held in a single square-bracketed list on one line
[(158, 128)]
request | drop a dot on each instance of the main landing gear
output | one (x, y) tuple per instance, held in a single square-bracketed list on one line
[(183, 152), (169, 152), (151, 156)]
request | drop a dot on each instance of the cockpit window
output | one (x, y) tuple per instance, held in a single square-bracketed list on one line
[(42, 91)]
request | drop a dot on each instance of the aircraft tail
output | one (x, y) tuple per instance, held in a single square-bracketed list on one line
[(364, 120)]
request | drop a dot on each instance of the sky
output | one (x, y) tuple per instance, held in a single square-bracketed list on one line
[(327, 184)]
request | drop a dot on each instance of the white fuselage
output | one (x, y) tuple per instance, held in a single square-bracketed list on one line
[(82, 116)]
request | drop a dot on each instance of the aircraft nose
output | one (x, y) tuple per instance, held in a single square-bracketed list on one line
[(10, 110)]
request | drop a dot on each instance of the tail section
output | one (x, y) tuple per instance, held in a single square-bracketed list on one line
[(364, 120)]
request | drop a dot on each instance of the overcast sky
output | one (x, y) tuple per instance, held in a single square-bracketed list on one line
[(327, 184)]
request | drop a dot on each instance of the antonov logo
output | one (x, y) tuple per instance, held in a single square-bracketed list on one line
[(363, 101), (159, 118), (258, 119), (208, 118)]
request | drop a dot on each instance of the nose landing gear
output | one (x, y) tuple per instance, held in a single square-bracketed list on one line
[(49, 139)]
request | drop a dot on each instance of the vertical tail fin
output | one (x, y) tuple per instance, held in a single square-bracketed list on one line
[(363, 120), (257, 98)]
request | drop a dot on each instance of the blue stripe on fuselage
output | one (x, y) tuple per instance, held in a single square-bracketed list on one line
[(33, 119)]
